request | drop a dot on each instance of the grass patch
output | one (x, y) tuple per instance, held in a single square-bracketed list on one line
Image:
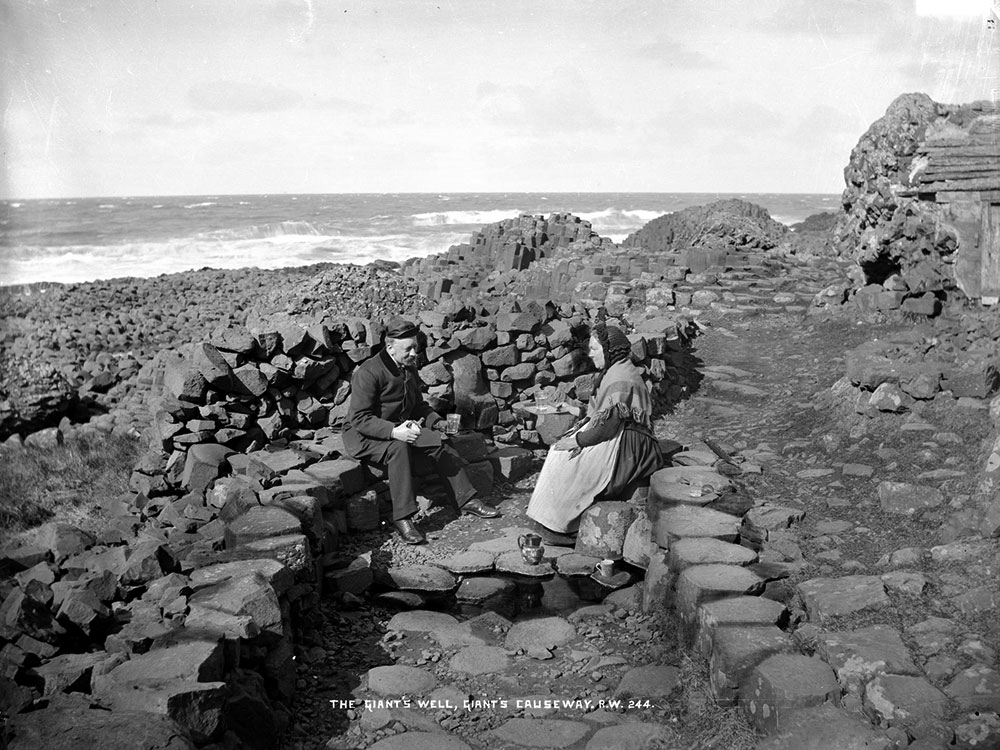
[(705, 723), (65, 483)]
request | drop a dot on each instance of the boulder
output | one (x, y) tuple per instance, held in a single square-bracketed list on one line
[(783, 683), (835, 597), (203, 465), (738, 649), (69, 727), (700, 584), (261, 522), (602, 530)]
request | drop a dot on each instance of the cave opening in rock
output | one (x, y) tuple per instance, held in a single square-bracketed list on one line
[(878, 270)]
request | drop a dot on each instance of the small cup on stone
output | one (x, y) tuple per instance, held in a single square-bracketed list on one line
[(605, 568)]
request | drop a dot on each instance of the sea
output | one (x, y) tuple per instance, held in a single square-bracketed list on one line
[(71, 240)]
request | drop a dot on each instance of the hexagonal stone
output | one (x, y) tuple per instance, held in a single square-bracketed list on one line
[(444, 629), (469, 561), (977, 730), (61, 672), (196, 661), (541, 732), (664, 494), (738, 649), (197, 706), (632, 736), (705, 551), (688, 520), (422, 578), (341, 476), (277, 575), (705, 583), (772, 517), (835, 597), (512, 562), (576, 565), (637, 540), (479, 590), (72, 726), (692, 476), (479, 660), (907, 499), (859, 655), (736, 610), (897, 700), (280, 461), (650, 681), (976, 688), (822, 728), (400, 680), (291, 550), (905, 582), (420, 741), (421, 621), (261, 522), (547, 632), (782, 683)]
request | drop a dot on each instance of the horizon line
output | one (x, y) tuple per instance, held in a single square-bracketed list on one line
[(426, 192)]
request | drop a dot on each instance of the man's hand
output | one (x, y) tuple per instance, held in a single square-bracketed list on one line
[(406, 432)]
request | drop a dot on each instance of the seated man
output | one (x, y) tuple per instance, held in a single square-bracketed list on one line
[(384, 428)]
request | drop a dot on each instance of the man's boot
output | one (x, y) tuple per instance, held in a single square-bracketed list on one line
[(409, 532)]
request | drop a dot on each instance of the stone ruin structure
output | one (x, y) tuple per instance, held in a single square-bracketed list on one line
[(922, 206), (920, 221)]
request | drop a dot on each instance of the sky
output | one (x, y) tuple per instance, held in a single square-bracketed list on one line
[(162, 97)]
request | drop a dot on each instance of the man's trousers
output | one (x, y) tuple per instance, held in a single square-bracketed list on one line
[(397, 459)]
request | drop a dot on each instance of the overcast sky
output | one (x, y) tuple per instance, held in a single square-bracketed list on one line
[(135, 97)]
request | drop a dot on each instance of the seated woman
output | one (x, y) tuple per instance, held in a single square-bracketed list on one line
[(611, 451)]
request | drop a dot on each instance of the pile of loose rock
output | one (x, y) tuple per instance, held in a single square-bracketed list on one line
[(246, 390), (94, 338)]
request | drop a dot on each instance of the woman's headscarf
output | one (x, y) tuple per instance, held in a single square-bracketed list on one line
[(614, 342)]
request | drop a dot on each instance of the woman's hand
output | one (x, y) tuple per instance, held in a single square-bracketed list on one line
[(565, 444)]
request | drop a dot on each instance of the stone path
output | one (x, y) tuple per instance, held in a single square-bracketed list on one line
[(829, 598)]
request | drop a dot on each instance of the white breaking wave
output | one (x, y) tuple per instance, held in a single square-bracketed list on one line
[(617, 220), (276, 229), (786, 220), (610, 221), (81, 263), (200, 205), (445, 218)]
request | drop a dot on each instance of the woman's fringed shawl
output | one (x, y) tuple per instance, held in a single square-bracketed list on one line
[(623, 390), (570, 480)]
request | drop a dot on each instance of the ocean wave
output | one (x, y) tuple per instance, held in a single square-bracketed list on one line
[(199, 205), (617, 220), (263, 231), (471, 217), (81, 263)]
